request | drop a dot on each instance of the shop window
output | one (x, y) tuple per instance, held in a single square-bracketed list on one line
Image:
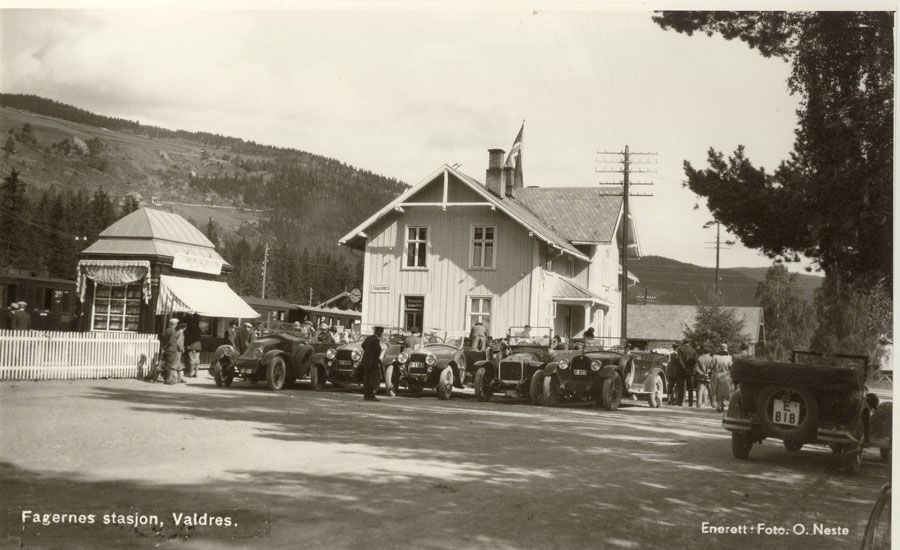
[(44, 297), (116, 308)]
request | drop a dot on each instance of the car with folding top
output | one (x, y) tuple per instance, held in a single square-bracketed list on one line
[(441, 365), (523, 353), (279, 359), (817, 398), (590, 372), (341, 365), (648, 380)]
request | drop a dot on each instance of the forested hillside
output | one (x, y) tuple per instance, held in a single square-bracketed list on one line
[(667, 281), (76, 171)]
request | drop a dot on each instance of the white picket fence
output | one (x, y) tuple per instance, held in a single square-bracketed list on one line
[(47, 355)]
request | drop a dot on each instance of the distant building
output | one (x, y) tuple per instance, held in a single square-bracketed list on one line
[(656, 325)]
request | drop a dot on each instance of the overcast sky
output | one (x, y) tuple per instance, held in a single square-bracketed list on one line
[(401, 89)]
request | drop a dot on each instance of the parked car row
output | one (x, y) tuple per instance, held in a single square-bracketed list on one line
[(520, 365)]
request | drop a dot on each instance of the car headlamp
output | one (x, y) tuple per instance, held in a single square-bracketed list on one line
[(331, 353), (355, 355), (403, 357), (595, 366), (430, 360), (563, 364), (257, 353)]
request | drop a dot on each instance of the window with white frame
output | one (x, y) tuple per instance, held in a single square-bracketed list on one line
[(116, 308), (416, 246), (480, 312), (484, 240)]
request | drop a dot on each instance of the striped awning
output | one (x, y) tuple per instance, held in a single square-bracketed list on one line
[(208, 298)]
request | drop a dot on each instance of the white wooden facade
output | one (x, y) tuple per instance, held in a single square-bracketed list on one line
[(533, 279)]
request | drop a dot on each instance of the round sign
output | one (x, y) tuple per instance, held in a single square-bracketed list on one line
[(355, 295)]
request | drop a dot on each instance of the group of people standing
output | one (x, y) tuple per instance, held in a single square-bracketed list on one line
[(181, 348), (707, 374), (16, 317)]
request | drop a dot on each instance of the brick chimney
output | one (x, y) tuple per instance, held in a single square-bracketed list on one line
[(494, 179), (509, 179)]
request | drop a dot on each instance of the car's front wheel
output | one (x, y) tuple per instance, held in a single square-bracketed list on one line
[(445, 383), (276, 374), (611, 393), (536, 390), (552, 393), (222, 375), (483, 389)]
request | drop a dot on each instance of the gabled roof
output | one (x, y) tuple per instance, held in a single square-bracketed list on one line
[(581, 214), (541, 223), (667, 323), (149, 232)]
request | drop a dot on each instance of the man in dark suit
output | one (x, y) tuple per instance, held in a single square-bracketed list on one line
[(231, 334), (244, 337), (688, 356), (22, 319), (371, 363)]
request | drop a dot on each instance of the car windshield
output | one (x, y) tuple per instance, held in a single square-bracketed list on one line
[(856, 363), (538, 336)]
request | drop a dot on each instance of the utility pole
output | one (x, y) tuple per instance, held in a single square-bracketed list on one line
[(625, 185), (718, 247), (264, 266), (310, 296)]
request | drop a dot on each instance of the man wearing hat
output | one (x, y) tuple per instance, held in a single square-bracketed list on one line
[(371, 363), (331, 337), (173, 347), (231, 333), (688, 356), (244, 337), (21, 318), (9, 316)]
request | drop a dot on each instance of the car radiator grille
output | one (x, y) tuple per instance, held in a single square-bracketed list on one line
[(511, 370), (417, 364), (581, 367), (343, 361)]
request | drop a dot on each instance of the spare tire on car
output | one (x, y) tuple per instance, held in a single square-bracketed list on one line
[(789, 429)]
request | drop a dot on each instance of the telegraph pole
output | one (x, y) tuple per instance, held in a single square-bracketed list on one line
[(264, 266), (718, 247), (625, 185)]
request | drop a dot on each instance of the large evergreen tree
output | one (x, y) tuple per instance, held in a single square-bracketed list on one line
[(716, 324), (832, 199), (16, 244), (789, 318)]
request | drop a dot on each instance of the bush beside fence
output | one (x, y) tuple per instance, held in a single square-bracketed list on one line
[(48, 355)]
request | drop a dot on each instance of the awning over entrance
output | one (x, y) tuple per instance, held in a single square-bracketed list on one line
[(209, 298), (562, 290)]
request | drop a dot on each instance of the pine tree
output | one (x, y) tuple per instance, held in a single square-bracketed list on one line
[(789, 317), (212, 233), (716, 324), (14, 229)]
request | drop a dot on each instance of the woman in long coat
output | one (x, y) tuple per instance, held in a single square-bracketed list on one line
[(721, 378)]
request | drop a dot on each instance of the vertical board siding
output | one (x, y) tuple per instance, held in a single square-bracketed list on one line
[(448, 281), (39, 355)]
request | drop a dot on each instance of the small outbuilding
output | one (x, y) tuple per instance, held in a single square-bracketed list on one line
[(151, 265)]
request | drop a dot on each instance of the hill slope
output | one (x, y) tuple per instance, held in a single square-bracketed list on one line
[(302, 198), (667, 281)]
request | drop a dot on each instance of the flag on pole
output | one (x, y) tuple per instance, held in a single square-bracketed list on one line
[(514, 160)]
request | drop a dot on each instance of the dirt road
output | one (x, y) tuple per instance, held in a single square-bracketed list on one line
[(304, 469)]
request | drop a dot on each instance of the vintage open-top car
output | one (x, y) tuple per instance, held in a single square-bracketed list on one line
[(341, 363), (648, 379), (512, 370), (590, 372), (816, 399), (278, 358), (440, 365)]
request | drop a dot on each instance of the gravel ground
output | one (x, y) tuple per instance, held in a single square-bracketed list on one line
[(304, 469)]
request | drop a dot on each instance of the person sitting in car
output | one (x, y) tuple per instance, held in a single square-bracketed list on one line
[(524, 336), (413, 340), (331, 336)]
